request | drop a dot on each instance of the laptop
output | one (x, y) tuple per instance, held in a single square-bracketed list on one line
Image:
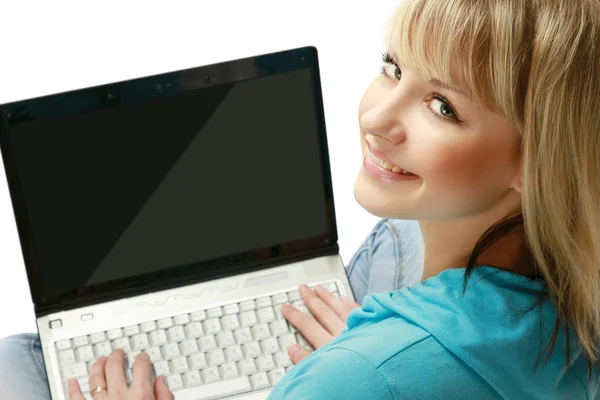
[(174, 214)]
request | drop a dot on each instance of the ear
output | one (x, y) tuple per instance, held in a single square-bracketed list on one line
[(517, 182)]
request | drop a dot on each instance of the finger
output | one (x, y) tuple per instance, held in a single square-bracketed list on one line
[(316, 335), (74, 390), (341, 306), (322, 312), (141, 376), (98, 378), (297, 353), (161, 389), (115, 374)]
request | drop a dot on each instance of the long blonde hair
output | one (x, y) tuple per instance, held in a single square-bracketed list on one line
[(537, 62)]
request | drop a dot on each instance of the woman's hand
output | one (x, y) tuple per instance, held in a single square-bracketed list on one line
[(109, 374), (329, 318)]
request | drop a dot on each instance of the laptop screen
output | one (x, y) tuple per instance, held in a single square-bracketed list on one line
[(173, 180)]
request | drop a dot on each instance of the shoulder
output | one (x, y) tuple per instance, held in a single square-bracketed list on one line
[(422, 369)]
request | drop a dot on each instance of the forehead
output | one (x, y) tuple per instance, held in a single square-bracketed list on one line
[(402, 64)]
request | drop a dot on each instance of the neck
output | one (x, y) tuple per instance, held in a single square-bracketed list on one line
[(449, 243)]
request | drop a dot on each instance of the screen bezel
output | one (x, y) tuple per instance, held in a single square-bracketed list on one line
[(146, 88)]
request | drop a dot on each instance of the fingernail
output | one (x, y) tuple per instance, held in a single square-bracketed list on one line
[(320, 288), (71, 383), (294, 350), (346, 299)]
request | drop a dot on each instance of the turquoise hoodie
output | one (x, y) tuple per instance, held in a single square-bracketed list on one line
[(430, 341)]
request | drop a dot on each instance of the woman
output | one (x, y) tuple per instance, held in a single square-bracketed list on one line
[(491, 106)]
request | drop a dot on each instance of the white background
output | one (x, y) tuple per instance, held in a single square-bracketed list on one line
[(54, 47)]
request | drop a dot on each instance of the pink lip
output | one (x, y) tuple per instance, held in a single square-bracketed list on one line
[(377, 153)]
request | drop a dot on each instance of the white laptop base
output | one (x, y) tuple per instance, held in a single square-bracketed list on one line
[(223, 339)]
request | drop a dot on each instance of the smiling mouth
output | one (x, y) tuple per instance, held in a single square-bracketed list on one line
[(388, 166)]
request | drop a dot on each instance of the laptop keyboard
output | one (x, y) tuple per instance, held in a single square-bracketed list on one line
[(207, 354)]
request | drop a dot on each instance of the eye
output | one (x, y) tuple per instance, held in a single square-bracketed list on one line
[(440, 107), (389, 69)]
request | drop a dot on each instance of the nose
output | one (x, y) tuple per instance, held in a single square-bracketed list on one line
[(384, 119)]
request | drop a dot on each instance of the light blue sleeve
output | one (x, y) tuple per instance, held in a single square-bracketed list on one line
[(332, 374), (390, 257)]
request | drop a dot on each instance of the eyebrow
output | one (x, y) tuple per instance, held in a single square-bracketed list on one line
[(433, 81), (443, 85)]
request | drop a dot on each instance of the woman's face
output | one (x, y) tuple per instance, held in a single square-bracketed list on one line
[(464, 159)]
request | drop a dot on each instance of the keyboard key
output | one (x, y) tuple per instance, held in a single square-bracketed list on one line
[(171, 350), (194, 330), (197, 361), (278, 313), (331, 286), (231, 309), (165, 323), (247, 305), (81, 341), (279, 299), (175, 334), (217, 390), (247, 367), (294, 296), (243, 336), (198, 316), (66, 357), (230, 322), (207, 343), (234, 353), (157, 338), (154, 353), (74, 371), (179, 365), (215, 358), (279, 328), (263, 302), (191, 379), (97, 337), (269, 346), (210, 375), (261, 332), (85, 353), (251, 350), (182, 319), (286, 341), (149, 326), (225, 339), (140, 342), (175, 382), (63, 345), (248, 318), (115, 334), (276, 375), (265, 315), (122, 343), (229, 371), (161, 368), (282, 359), (265, 363), (188, 347), (212, 326), (215, 312), (102, 349), (259, 381), (132, 330)]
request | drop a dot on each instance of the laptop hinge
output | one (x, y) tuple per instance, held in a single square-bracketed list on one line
[(79, 301)]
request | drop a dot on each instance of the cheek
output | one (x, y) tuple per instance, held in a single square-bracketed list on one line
[(467, 171)]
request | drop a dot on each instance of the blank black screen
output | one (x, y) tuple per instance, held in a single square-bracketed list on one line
[(138, 188)]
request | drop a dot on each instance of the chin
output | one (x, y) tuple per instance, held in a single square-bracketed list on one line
[(376, 200)]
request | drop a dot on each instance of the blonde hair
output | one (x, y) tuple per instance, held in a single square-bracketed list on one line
[(536, 62)]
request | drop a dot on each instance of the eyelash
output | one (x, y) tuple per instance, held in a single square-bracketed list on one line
[(387, 59)]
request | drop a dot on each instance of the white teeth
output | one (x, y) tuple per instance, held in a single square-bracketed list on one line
[(388, 166)]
